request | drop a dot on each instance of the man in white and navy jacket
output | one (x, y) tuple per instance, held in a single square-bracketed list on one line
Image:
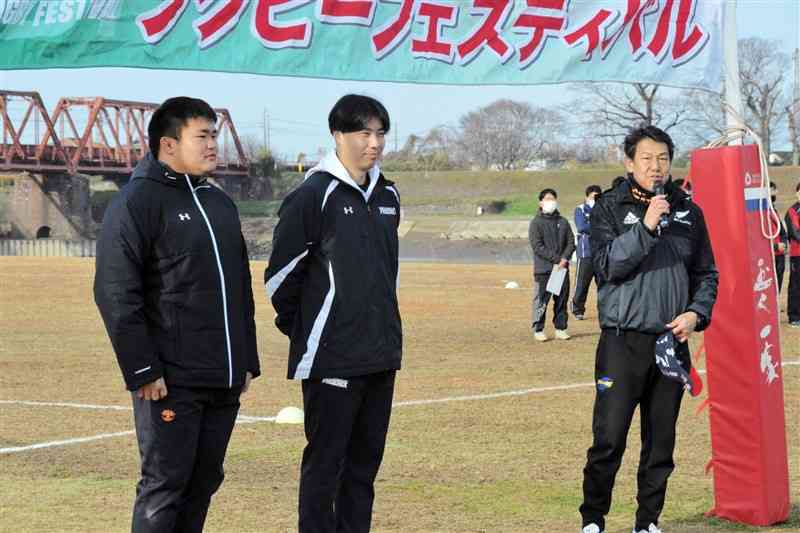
[(585, 271), (332, 278)]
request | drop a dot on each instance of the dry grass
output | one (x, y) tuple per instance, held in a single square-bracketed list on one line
[(509, 464)]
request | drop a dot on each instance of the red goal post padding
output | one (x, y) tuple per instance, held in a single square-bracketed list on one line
[(745, 379)]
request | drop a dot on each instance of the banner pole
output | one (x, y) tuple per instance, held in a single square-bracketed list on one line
[(733, 95)]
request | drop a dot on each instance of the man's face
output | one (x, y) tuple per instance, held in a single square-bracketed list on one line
[(360, 150), (195, 152), (650, 163), (592, 197), (548, 203)]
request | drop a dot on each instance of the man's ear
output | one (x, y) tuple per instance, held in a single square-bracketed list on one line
[(628, 164), (166, 146)]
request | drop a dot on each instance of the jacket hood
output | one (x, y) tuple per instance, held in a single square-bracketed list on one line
[(333, 165), (151, 168)]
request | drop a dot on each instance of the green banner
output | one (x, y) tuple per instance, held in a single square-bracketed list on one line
[(673, 42)]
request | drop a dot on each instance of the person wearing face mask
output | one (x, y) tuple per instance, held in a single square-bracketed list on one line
[(657, 280), (553, 243), (780, 242), (793, 230), (332, 279), (584, 273)]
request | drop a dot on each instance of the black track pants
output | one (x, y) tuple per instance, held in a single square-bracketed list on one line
[(794, 289), (346, 422), (182, 443), (626, 375), (584, 275), (541, 298)]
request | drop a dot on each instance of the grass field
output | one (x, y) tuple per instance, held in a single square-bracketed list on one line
[(503, 464)]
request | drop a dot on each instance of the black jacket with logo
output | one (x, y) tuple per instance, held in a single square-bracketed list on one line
[(645, 279), (332, 274), (159, 282), (551, 239)]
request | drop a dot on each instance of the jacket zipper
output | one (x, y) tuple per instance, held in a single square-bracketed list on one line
[(221, 278)]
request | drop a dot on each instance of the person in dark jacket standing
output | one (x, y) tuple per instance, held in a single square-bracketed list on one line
[(584, 272), (173, 287), (553, 244), (792, 220), (657, 280), (332, 278), (780, 243)]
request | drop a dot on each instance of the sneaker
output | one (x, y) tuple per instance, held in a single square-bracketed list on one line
[(539, 336), (579, 316), (561, 334), (794, 324), (652, 528), (591, 528)]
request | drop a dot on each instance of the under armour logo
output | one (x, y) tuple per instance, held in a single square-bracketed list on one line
[(184, 216), (348, 210)]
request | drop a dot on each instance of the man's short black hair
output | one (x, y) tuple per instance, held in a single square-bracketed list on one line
[(649, 132), (593, 188), (172, 115), (545, 192), (797, 189), (773, 185), (354, 111)]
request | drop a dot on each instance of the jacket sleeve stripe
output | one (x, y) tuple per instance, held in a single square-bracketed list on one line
[(303, 369), (274, 283), (331, 186), (394, 191)]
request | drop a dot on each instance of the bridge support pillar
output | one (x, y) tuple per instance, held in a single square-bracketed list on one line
[(50, 206)]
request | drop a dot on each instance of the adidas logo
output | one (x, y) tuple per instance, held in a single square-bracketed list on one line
[(630, 218)]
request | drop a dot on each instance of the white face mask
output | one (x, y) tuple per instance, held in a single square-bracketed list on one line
[(590, 202), (549, 206)]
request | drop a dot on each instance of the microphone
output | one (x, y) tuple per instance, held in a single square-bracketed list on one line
[(658, 189)]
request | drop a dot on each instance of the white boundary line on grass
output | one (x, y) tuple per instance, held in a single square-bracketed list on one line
[(247, 419)]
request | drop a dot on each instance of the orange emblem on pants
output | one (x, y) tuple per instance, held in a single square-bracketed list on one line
[(167, 415)]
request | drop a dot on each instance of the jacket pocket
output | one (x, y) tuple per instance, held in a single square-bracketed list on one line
[(200, 338)]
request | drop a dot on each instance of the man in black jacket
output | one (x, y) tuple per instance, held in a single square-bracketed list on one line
[(553, 243), (173, 287), (332, 278), (656, 276)]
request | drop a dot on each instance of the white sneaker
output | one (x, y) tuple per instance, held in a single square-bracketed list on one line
[(591, 528), (540, 336), (652, 528), (561, 334)]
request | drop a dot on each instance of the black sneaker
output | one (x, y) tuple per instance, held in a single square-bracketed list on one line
[(794, 324), (578, 316)]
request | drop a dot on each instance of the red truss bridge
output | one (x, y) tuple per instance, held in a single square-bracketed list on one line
[(92, 136)]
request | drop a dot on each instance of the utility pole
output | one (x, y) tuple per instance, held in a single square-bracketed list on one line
[(266, 132)]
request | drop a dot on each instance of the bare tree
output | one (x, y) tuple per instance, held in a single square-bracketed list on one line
[(762, 75), (507, 134), (611, 109), (706, 121)]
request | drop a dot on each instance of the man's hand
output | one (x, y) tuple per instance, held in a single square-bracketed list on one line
[(658, 206), (153, 391), (246, 386), (683, 325), (563, 263)]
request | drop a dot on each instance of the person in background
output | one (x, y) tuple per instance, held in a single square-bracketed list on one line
[(584, 272), (553, 243), (780, 243), (793, 231)]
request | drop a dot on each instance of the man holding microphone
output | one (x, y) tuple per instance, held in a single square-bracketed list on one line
[(657, 283)]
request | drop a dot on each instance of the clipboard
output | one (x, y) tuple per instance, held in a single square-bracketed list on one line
[(556, 280)]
